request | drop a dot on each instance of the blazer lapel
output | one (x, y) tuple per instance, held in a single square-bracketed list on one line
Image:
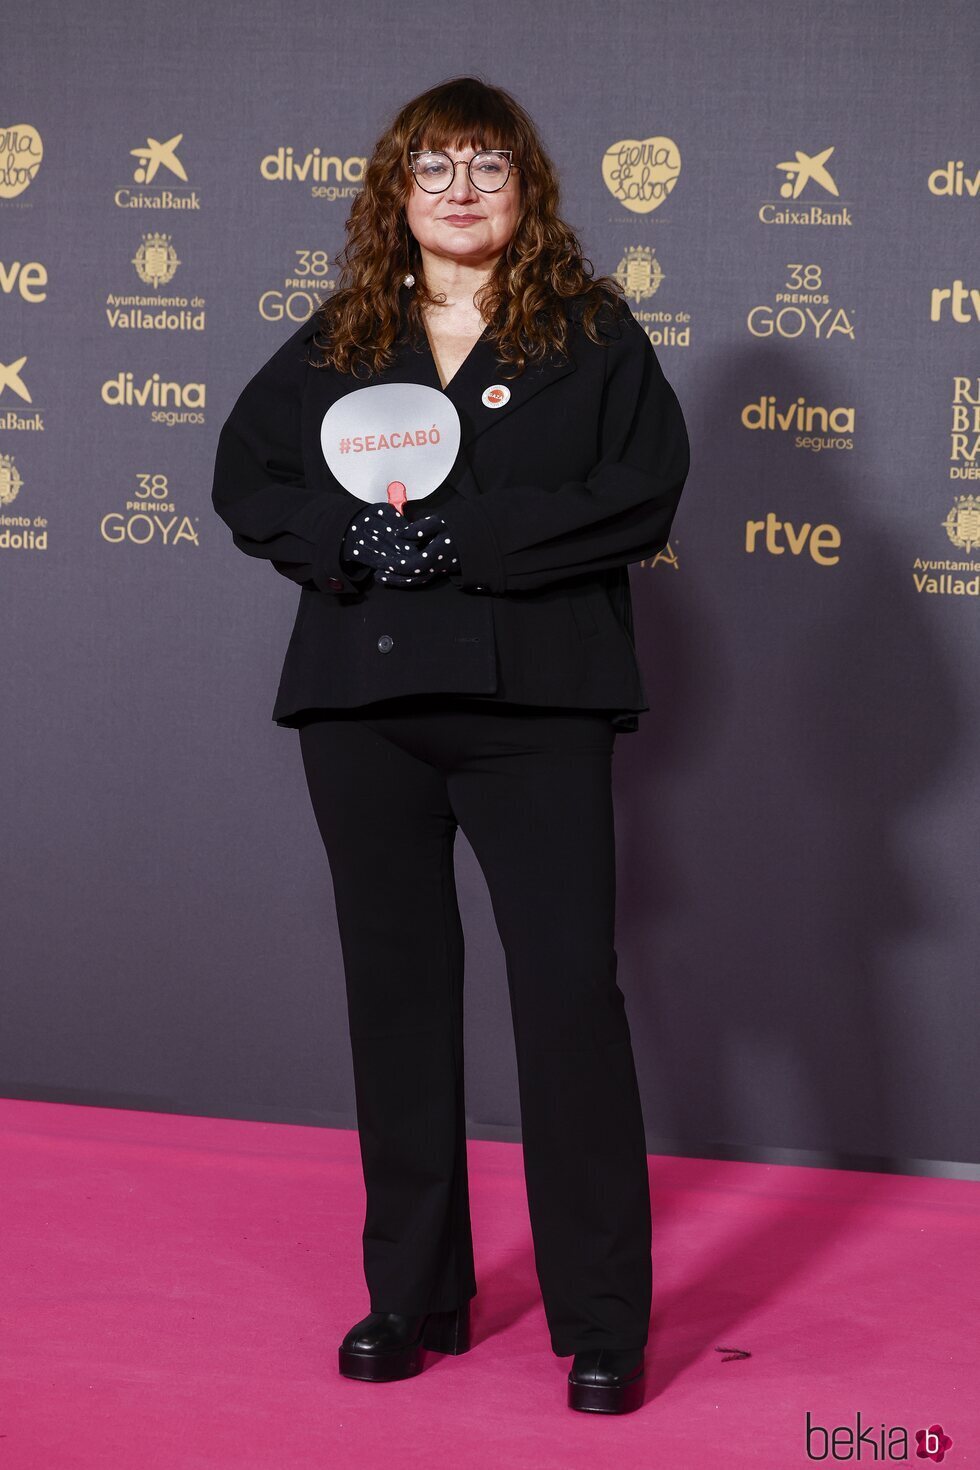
[(481, 369)]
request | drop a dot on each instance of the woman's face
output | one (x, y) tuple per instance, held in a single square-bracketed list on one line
[(463, 223)]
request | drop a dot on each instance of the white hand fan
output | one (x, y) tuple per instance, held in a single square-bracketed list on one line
[(394, 441)]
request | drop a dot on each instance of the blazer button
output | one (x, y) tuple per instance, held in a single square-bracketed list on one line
[(335, 584), (386, 643)]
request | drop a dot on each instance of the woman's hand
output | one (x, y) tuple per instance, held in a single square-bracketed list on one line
[(430, 553), (402, 553), (431, 534), (370, 533), (375, 537)]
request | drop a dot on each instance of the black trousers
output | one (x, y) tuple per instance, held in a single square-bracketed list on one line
[(531, 789)]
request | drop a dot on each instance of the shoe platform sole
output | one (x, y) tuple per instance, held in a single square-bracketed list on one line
[(606, 1398), (443, 1332)]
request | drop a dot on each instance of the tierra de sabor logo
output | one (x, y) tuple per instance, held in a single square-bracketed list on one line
[(953, 182), (12, 382), (640, 173), (805, 173), (814, 426), (155, 263), (328, 175), (168, 403), (21, 151), (152, 156)]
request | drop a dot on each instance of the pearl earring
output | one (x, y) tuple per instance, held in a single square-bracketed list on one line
[(409, 281)]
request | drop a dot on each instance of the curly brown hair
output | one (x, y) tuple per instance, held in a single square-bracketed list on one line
[(524, 300)]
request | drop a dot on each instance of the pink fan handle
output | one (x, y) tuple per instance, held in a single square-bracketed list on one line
[(397, 496)]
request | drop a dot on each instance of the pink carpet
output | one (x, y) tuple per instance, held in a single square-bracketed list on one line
[(174, 1290)]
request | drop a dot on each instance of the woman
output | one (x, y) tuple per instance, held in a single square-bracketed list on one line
[(467, 663)]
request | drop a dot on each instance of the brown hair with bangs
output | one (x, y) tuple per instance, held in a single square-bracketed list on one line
[(523, 301)]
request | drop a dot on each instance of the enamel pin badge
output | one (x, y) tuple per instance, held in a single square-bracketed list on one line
[(495, 396)]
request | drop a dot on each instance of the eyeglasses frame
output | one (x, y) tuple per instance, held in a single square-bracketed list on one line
[(508, 152)]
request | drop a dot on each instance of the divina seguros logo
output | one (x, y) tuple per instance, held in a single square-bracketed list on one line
[(328, 174), (170, 403)]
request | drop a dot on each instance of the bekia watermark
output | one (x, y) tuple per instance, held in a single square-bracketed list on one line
[(881, 1442)]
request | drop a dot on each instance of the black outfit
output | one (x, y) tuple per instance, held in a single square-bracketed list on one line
[(487, 700), (532, 792), (578, 474)]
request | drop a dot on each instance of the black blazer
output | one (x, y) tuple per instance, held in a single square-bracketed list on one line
[(550, 497)]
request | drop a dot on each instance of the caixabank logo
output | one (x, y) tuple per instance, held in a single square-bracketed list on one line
[(807, 184), (14, 395), (158, 165), (873, 1443)]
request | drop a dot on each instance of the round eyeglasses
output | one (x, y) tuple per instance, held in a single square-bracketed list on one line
[(435, 171)]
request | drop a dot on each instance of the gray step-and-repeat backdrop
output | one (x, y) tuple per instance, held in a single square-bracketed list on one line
[(789, 195)]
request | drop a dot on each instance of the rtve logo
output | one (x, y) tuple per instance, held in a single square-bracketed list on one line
[(962, 303), (27, 279), (778, 537)]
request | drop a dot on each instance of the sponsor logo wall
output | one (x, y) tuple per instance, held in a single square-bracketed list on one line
[(810, 307), (795, 231)]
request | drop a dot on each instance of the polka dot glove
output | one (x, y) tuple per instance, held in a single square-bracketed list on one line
[(402, 553), (430, 553), (370, 536)]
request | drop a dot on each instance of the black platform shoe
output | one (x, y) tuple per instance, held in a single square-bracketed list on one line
[(606, 1380), (386, 1345)]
